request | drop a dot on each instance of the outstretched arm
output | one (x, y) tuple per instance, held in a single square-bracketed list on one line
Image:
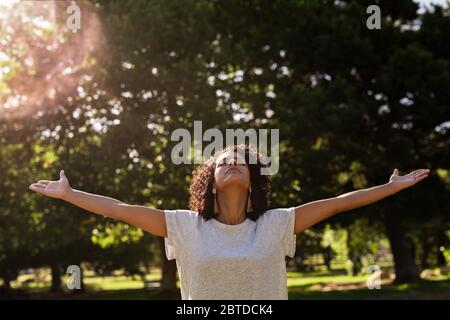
[(314, 212), (148, 219)]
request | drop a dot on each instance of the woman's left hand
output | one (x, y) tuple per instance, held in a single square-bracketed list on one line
[(408, 180)]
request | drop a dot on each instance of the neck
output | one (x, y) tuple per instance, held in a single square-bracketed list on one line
[(232, 203)]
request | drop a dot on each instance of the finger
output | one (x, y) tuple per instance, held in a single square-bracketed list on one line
[(62, 175), (44, 181), (37, 184), (414, 173), (420, 178), (421, 172), (37, 188), (396, 171), (40, 184), (410, 173)]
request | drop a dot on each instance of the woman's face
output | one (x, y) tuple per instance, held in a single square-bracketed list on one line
[(231, 171)]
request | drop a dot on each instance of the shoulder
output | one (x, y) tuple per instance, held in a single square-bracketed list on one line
[(281, 217), (279, 213), (181, 224), (181, 217), (184, 212), (280, 210)]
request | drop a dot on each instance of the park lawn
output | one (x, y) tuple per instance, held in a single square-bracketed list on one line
[(321, 285), (350, 288), (92, 282), (425, 289), (335, 284)]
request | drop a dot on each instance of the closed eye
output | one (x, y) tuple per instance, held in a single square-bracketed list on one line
[(223, 162)]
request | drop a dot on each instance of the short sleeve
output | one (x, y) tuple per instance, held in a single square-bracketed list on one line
[(180, 224), (284, 219)]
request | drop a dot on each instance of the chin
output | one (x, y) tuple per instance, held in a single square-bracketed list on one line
[(234, 181)]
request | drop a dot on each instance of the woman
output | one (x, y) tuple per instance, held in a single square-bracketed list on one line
[(229, 245)]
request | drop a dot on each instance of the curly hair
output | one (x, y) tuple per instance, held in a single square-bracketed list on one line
[(201, 189)]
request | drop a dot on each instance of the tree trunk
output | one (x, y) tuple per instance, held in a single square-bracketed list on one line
[(56, 278), (300, 262), (442, 242), (169, 271), (425, 253), (327, 257), (354, 256), (405, 268), (6, 281)]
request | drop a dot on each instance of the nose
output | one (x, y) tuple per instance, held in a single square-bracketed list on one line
[(232, 161)]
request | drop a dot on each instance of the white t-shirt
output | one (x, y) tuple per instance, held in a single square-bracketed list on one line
[(221, 261)]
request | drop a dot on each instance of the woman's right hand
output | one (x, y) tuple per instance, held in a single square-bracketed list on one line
[(54, 189)]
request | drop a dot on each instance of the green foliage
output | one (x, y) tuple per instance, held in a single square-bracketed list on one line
[(337, 240), (114, 234)]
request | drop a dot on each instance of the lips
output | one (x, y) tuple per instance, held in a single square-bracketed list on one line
[(232, 169)]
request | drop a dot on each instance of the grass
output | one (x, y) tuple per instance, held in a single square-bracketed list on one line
[(320, 285), (350, 288), (425, 289)]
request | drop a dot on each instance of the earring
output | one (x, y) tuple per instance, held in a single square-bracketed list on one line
[(216, 205), (249, 201)]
